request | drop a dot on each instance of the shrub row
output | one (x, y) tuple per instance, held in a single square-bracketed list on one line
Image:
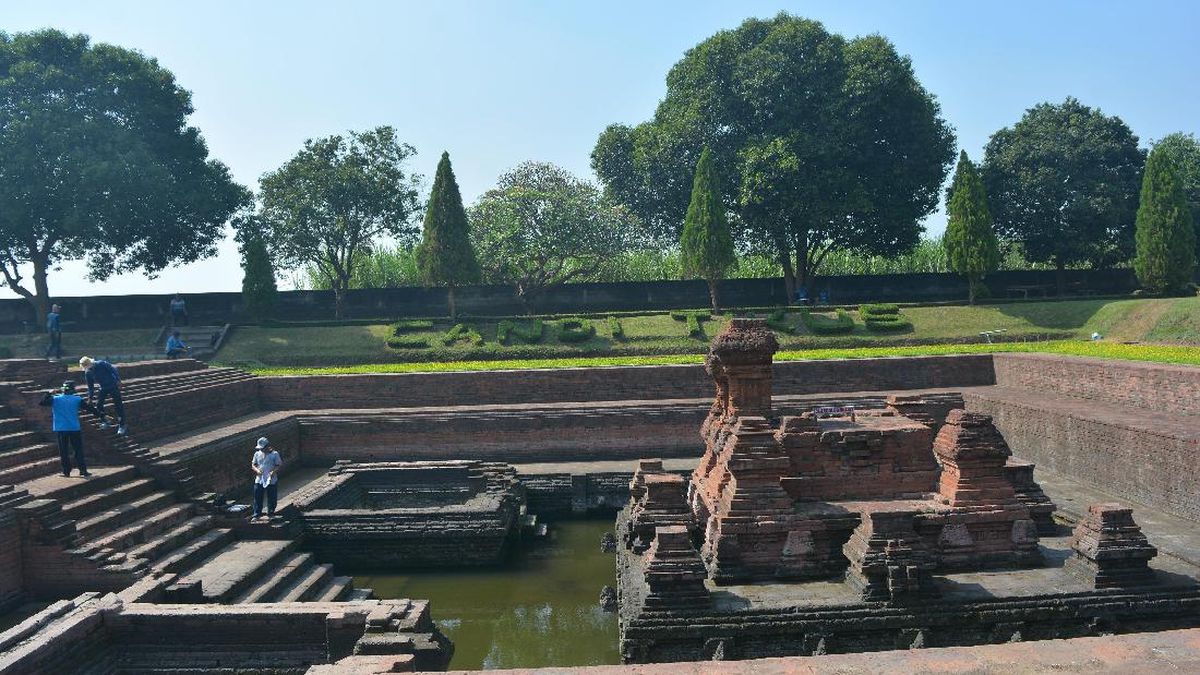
[(509, 331), (879, 309), (823, 325), (615, 328), (884, 318), (778, 322), (461, 332), (575, 330)]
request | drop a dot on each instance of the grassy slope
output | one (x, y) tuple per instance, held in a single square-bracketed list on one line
[(93, 343), (653, 335)]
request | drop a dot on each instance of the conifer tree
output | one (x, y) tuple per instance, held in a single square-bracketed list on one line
[(1166, 240), (707, 245), (258, 284), (445, 256), (971, 245)]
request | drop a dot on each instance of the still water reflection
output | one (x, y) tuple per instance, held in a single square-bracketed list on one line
[(541, 609)]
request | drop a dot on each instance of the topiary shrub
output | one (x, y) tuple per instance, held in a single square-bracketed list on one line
[(682, 315), (411, 326), (510, 332), (894, 323), (615, 329), (778, 321), (575, 330), (408, 343), (461, 332), (879, 309), (823, 325)]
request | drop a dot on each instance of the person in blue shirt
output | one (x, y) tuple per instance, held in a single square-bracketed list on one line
[(64, 407), (176, 346), (103, 375), (54, 328)]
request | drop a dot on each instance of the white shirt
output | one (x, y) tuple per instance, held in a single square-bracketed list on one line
[(267, 462)]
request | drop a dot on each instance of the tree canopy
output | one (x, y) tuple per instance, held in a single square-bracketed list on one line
[(97, 162), (1166, 239), (1184, 151), (971, 246), (1064, 181), (541, 227), (445, 255), (327, 205), (706, 246), (823, 143)]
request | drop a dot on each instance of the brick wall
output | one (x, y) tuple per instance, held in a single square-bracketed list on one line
[(11, 579), (1131, 456), (612, 384), (223, 465), (1151, 386)]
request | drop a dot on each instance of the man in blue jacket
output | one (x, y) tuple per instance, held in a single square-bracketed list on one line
[(64, 407), (54, 328), (103, 375)]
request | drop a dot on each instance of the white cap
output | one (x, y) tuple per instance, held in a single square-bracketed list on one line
[(263, 442)]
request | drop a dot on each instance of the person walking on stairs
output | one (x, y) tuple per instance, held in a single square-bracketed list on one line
[(64, 407), (103, 375), (265, 464)]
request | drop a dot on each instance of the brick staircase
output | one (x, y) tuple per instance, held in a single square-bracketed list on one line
[(205, 341), (135, 517)]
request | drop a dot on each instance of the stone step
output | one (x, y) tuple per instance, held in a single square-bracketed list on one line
[(356, 594), (143, 530), (74, 488), (308, 585), (108, 520), (282, 577), (18, 439), (235, 568), (15, 475), (27, 454), (191, 554), (10, 425), (172, 539), (335, 590), (122, 493), (181, 381)]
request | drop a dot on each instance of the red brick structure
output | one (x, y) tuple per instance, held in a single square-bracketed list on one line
[(1110, 549)]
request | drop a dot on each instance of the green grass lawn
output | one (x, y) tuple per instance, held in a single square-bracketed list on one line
[(1175, 354)]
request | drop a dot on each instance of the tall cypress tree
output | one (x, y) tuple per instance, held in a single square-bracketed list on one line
[(258, 285), (707, 245), (445, 256), (1166, 240), (971, 245)]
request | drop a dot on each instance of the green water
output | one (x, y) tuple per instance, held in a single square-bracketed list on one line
[(541, 609)]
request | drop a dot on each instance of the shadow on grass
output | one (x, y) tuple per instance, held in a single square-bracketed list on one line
[(1065, 314)]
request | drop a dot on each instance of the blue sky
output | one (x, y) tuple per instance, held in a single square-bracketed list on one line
[(496, 83)]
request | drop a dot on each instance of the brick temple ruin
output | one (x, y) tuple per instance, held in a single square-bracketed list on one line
[(847, 531), (825, 507)]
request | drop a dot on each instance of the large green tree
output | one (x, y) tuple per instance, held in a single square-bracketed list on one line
[(1166, 238), (446, 256), (971, 245), (1184, 151), (97, 162), (542, 227), (822, 143), (328, 204), (706, 245), (1063, 182)]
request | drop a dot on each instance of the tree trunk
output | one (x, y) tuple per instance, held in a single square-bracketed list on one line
[(712, 294), (450, 301), (339, 297), (972, 281), (1060, 277), (41, 290), (789, 276)]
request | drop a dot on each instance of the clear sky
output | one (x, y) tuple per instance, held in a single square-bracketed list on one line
[(496, 83)]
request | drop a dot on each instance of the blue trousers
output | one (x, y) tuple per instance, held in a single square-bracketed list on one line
[(272, 493)]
